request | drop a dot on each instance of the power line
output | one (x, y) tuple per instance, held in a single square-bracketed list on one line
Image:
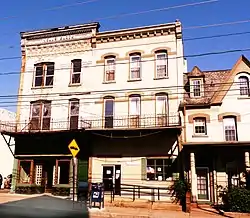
[(49, 9), (86, 100)]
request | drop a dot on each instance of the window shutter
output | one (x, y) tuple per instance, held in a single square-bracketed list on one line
[(144, 169)]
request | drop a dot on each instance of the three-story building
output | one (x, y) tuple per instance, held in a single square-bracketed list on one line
[(117, 93)]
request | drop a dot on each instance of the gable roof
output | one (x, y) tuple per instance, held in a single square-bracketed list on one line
[(216, 83)]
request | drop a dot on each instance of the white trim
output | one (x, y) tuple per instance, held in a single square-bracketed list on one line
[(130, 66), (166, 63), (192, 87)]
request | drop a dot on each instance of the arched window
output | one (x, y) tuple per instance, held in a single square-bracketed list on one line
[(161, 109), (244, 85), (110, 62), (161, 63), (135, 66)]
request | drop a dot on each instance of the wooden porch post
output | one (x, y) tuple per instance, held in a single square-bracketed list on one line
[(56, 173), (32, 172)]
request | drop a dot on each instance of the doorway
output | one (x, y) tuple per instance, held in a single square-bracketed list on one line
[(112, 178), (109, 112), (48, 176), (202, 183)]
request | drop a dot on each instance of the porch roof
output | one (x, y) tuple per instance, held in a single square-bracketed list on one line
[(40, 133), (225, 143)]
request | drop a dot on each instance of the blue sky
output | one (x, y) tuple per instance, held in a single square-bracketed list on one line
[(16, 16)]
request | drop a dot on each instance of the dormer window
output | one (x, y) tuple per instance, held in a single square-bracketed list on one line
[(196, 88), (244, 85)]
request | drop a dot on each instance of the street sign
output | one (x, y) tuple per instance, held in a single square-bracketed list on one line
[(74, 148)]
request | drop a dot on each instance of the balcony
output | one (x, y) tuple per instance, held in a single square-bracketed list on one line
[(119, 122), (133, 122)]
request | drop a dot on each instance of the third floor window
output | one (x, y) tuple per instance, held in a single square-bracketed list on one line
[(109, 69), (76, 71), (135, 66), (244, 85), (44, 74), (161, 62)]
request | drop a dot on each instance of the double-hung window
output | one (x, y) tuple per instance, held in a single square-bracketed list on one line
[(161, 59), (135, 66), (44, 74)]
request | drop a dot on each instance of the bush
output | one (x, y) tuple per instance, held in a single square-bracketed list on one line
[(61, 191), (180, 188), (236, 199), (29, 189)]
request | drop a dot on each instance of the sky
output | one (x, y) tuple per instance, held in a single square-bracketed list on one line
[(17, 16)]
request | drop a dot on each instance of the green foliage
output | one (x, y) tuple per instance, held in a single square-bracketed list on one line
[(60, 191), (179, 190), (236, 199), (29, 189)]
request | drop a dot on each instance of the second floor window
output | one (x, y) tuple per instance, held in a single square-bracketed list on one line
[(134, 105), (161, 64), (110, 69), (135, 66), (44, 74), (40, 115), (230, 131), (200, 126), (244, 85), (74, 113), (76, 71), (196, 88)]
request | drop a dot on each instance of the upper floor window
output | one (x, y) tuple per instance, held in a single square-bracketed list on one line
[(230, 130), (200, 127), (40, 115), (161, 60), (44, 74), (110, 69), (196, 88), (135, 66), (73, 113), (244, 85), (76, 71)]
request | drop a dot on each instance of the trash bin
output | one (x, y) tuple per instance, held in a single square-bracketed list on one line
[(97, 195)]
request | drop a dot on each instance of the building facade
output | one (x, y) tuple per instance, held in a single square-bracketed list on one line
[(7, 118), (215, 138), (117, 93)]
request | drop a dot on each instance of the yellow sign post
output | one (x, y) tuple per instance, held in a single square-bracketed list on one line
[(74, 148)]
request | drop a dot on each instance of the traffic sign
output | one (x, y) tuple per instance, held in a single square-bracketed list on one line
[(74, 148)]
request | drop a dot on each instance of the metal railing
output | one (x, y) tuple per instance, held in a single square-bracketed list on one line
[(108, 122)]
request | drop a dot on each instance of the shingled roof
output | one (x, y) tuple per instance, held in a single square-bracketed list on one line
[(216, 84)]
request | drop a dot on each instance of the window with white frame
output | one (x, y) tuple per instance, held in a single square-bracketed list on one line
[(76, 71), (196, 88), (244, 85), (109, 69), (135, 66), (230, 131), (161, 62), (44, 74), (135, 105), (161, 109), (200, 127)]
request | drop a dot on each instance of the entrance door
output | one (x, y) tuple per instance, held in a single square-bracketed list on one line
[(118, 179), (109, 112), (107, 177), (48, 176), (202, 183)]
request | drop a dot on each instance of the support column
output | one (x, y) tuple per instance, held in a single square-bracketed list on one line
[(247, 161), (193, 178), (73, 178), (14, 175)]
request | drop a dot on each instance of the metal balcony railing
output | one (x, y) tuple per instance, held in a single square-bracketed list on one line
[(108, 122)]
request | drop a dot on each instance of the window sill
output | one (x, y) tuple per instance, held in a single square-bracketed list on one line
[(199, 136), (159, 78), (75, 84), (134, 80), (41, 87), (243, 97), (108, 82)]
